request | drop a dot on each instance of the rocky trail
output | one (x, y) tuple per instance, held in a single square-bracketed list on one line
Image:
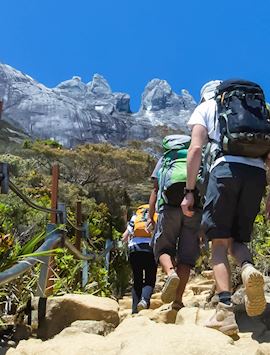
[(86, 324)]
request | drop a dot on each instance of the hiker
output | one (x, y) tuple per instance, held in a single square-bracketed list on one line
[(141, 258), (176, 237), (237, 180)]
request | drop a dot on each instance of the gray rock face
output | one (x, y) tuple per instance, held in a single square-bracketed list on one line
[(74, 112)]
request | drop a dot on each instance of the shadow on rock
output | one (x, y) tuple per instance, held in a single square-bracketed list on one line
[(259, 326)]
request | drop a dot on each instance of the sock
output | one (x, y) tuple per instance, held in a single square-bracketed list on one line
[(245, 262), (225, 297)]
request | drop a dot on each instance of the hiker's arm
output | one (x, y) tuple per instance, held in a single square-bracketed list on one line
[(152, 204), (194, 157), (125, 236)]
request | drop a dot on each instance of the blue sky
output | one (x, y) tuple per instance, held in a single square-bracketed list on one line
[(131, 42)]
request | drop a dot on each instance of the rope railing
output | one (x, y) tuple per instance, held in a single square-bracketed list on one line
[(82, 229), (20, 194), (76, 228)]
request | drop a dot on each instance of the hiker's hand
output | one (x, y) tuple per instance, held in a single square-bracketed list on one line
[(267, 207), (187, 204), (150, 225)]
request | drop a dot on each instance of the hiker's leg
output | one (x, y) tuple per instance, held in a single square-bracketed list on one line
[(137, 270), (220, 209), (224, 318), (221, 265), (253, 186), (167, 263), (183, 272), (219, 212), (150, 270), (240, 252), (165, 240), (188, 250)]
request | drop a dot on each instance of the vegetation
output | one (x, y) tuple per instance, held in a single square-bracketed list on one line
[(105, 179)]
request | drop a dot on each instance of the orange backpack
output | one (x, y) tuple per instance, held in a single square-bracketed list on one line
[(140, 221)]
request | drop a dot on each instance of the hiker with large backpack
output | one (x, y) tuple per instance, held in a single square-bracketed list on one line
[(233, 118), (176, 238), (141, 258)]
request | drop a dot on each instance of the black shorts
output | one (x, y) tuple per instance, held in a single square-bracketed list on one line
[(232, 201)]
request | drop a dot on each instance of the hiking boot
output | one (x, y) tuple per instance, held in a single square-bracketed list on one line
[(253, 282), (223, 320), (142, 305), (168, 292)]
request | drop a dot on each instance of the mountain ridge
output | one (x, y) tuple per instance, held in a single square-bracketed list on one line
[(75, 112)]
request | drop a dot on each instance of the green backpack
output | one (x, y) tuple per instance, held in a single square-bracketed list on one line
[(173, 172)]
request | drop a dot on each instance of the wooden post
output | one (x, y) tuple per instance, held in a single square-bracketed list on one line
[(54, 197), (79, 224)]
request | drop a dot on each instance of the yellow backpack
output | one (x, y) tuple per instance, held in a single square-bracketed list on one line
[(140, 221)]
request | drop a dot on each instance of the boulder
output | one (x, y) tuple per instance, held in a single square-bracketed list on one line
[(164, 314), (155, 303), (90, 327), (125, 302), (64, 310), (193, 315)]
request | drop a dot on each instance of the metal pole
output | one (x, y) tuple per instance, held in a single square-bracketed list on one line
[(54, 191), (107, 255), (61, 217), (79, 224), (4, 175), (85, 262), (51, 233)]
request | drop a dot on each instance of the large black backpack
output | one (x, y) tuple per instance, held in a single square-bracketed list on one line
[(244, 119)]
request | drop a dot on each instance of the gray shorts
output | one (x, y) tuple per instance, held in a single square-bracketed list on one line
[(232, 201), (177, 235)]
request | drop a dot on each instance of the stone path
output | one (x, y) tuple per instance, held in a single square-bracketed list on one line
[(85, 324)]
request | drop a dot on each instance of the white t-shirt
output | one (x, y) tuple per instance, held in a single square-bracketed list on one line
[(154, 174), (205, 114)]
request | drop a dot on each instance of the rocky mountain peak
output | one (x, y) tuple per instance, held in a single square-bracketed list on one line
[(99, 86), (156, 95), (74, 88)]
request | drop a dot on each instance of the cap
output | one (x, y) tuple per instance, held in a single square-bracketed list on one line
[(208, 89)]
